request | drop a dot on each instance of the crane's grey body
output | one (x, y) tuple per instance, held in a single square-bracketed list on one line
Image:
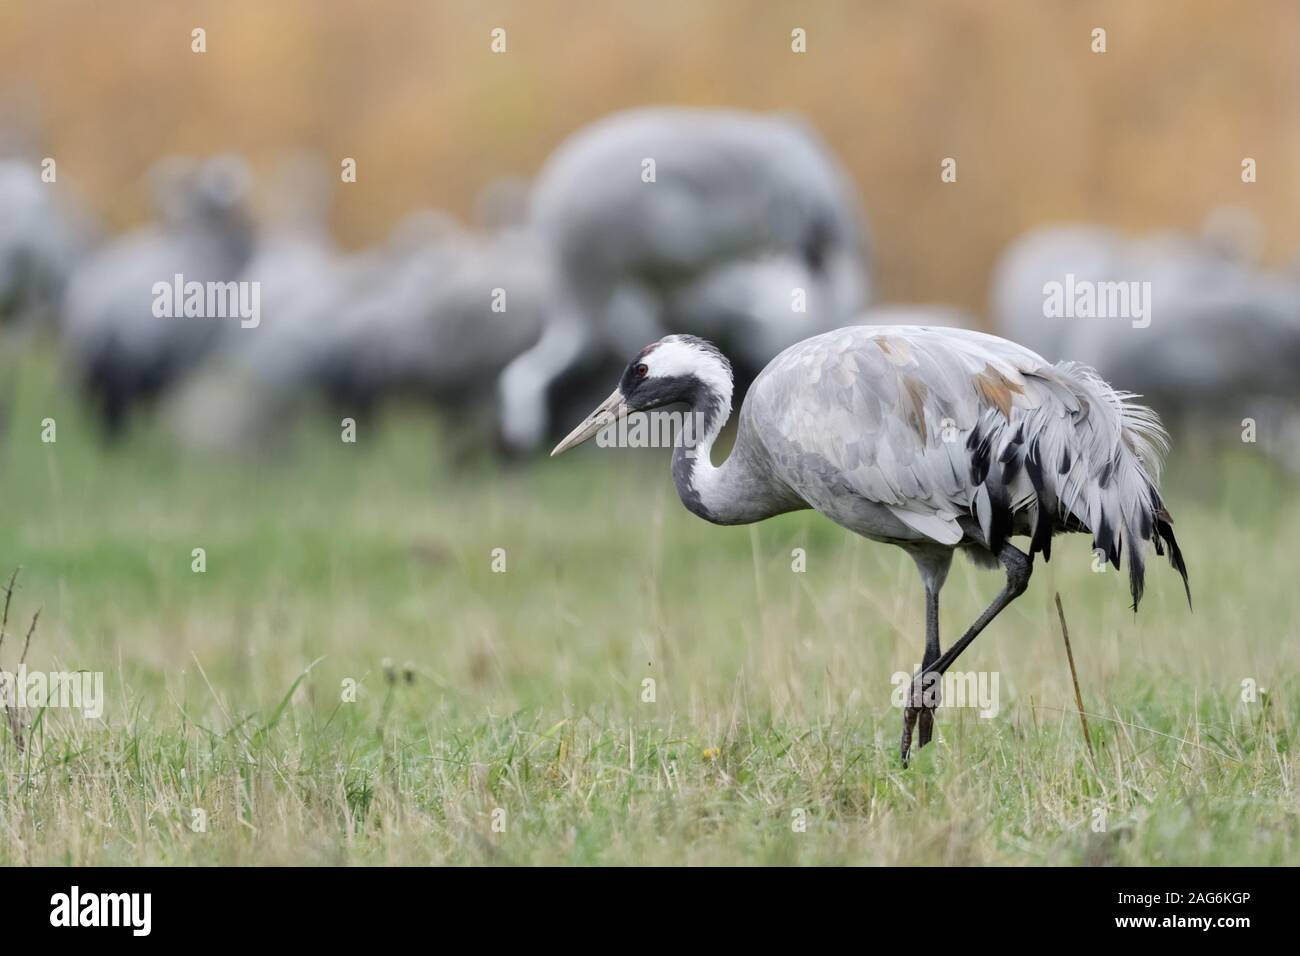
[(42, 237), (933, 439), (294, 250), (449, 321), (741, 211), (115, 345), (432, 316), (872, 426)]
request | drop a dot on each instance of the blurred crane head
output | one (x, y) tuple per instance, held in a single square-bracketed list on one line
[(191, 193)]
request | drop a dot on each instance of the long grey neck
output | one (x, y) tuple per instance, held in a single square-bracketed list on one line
[(739, 491)]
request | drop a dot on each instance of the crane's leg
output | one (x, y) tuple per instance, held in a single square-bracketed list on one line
[(1019, 566), (933, 566), (930, 697), (919, 711)]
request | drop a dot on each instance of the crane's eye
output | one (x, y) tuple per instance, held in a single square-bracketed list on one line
[(641, 371)]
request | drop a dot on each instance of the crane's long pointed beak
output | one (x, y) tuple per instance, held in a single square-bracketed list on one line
[(606, 413)]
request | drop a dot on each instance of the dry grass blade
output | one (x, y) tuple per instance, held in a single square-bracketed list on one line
[(9, 596), (14, 714), (1074, 676), (27, 642)]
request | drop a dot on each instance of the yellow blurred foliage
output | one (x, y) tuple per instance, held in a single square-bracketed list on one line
[(1151, 133)]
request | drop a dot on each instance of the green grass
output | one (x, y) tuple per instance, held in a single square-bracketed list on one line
[(772, 687)]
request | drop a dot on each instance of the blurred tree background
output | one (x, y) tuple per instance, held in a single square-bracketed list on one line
[(1151, 133)]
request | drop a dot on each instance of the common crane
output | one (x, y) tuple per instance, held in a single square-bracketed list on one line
[(932, 439)]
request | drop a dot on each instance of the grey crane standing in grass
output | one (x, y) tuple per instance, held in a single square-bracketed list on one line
[(933, 439)]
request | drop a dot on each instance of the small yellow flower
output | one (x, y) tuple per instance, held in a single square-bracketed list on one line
[(711, 753)]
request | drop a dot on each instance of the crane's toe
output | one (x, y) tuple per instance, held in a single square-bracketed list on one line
[(924, 726), (909, 721)]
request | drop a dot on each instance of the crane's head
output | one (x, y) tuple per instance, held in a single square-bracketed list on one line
[(677, 368)]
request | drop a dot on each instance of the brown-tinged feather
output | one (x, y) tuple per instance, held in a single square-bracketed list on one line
[(995, 388), (914, 392)]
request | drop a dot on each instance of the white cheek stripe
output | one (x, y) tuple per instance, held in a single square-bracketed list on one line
[(673, 358)]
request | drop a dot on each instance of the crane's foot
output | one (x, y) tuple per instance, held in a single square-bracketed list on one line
[(924, 727), (919, 715), (909, 721)]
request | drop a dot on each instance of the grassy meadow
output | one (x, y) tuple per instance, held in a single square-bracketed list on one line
[(498, 717)]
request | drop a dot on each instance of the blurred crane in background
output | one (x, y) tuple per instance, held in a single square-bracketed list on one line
[(1219, 341), (740, 225), (42, 237), (116, 348), (432, 315)]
